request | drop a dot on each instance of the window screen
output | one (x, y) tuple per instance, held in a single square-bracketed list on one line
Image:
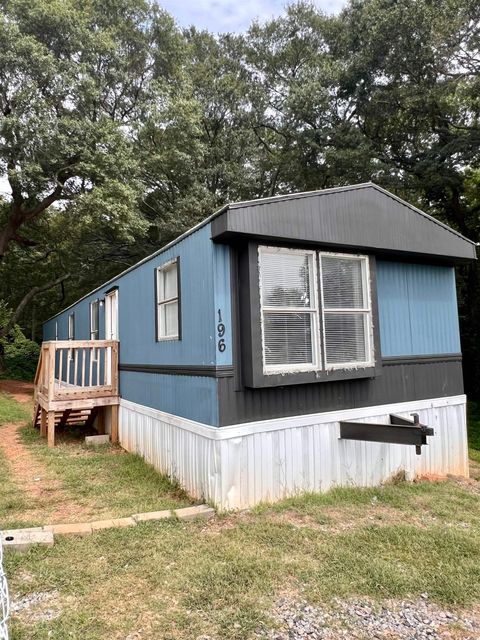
[(168, 301)]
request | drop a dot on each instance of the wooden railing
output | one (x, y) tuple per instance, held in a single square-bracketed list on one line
[(75, 369)]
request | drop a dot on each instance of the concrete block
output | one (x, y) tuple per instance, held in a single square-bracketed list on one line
[(74, 529), (112, 523), (96, 441), (202, 511), (124, 522), (23, 539), (152, 515), (102, 524)]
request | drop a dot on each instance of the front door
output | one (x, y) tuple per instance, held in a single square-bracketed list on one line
[(111, 315)]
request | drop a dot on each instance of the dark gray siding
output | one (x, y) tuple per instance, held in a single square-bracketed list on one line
[(402, 380), (364, 217)]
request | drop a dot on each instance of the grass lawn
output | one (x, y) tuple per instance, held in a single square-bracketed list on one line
[(73, 482), (178, 581)]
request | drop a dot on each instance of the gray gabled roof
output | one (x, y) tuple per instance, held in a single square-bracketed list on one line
[(359, 216), (362, 216)]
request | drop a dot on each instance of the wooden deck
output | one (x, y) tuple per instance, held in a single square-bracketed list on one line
[(76, 383)]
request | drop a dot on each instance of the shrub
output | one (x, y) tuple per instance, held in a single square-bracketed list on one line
[(20, 355)]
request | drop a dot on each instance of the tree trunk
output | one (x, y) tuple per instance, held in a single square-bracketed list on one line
[(469, 304), (2, 358), (34, 322), (25, 300)]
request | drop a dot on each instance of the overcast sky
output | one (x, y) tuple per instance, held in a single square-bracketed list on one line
[(232, 15)]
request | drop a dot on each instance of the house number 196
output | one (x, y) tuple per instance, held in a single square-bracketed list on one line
[(220, 333)]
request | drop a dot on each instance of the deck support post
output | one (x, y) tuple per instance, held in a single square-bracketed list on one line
[(114, 423), (51, 428), (43, 423), (101, 421)]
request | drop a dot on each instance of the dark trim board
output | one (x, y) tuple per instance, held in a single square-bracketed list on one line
[(400, 382), (229, 371), (422, 359), (209, 371)]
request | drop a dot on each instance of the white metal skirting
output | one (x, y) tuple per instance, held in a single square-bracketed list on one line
[(239, 466), (4, 599)]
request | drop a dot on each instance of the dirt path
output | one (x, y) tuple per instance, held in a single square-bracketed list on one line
[(45, 496), (21, 391)]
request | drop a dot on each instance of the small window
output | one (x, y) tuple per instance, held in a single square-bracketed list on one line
[(311, 322), (71, 326), (94, 319), (168, 302)]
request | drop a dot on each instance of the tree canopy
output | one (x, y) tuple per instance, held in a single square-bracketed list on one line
[(119, 130)]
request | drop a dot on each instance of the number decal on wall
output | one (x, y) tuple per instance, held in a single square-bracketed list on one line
[(220, 333)]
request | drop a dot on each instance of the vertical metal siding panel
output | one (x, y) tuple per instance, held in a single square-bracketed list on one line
[(394, 309), (434, 315), (243, 470), (223, 301), (191, 397), (417, 308), (359, 217), (137, 307)]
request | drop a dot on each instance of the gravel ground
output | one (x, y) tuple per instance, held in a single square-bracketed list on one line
[(361, 619), (40, 606)]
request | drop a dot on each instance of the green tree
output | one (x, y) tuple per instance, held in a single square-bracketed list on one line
[(412, 69), (74, 81), (198, 149)]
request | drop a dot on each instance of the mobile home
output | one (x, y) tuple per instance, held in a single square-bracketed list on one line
[(282, 346)]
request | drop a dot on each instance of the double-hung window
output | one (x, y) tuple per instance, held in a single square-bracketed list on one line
[(316, 310), (289, 309), (168, 303), (94, 319)]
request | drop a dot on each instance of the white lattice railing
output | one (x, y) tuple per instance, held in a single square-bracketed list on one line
[(4, 599)]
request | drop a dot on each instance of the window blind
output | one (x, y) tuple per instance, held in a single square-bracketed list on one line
[(345, 309), (292, 339), (287, 308)]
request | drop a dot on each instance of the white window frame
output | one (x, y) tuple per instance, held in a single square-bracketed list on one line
[(95, 303), (312, 310), (366, 311), (71, 326), (160, 303), (318, 313)]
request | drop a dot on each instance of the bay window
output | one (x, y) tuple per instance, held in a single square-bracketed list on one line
[(315, 310)]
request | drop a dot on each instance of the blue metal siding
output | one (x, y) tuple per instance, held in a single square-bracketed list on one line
[(82, 321), (223, 305), (418, 309), (205, 289), (137, 307), (191, 397)]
